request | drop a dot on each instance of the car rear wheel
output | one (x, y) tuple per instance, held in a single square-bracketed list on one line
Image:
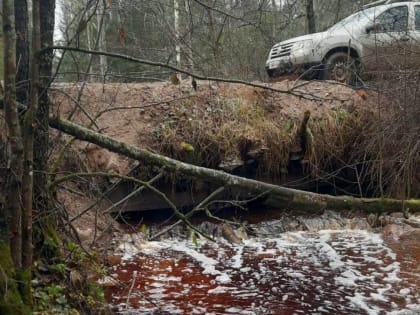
[(340, 67)]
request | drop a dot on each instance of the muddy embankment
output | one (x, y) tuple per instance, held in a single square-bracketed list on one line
[(309, 137)]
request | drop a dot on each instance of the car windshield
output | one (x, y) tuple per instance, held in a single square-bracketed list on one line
[(358, 18)]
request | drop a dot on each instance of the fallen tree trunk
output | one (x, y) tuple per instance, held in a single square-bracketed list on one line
[(277, 196)]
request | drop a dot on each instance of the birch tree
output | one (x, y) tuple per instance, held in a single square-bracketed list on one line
[(177, 33), (101, 17)]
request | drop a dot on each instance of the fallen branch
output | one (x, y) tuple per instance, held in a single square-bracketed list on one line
[(277, 196), (133, 281)]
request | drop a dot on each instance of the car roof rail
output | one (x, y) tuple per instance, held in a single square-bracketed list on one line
[(380, 2)]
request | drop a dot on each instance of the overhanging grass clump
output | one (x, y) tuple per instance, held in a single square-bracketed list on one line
[(223, 132), (227, 130)]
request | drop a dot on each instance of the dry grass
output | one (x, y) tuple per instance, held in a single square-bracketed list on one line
[(394, 142), (222, 133)]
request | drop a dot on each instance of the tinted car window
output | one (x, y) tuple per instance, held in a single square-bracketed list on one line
[(417, 11), (393, 20)]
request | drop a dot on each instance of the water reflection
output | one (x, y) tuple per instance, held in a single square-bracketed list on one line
[(326, 272)]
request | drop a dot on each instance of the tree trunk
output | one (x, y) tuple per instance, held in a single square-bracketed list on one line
[(22, 51), (28, 140), (310, 16), (177, 32), (275, 17), (90, 30), (11, 241), (276, 196), (10, 301), (15, 156), (41, 202), (102, 21), (189, 28)]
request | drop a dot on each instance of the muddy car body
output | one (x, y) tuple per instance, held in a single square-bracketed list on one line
[(376, 38)]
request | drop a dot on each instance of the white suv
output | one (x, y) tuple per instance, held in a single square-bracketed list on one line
[(382, 37)]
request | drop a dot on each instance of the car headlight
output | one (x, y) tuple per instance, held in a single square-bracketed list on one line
[(302, 44)]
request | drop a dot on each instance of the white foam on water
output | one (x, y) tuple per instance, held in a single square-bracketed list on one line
[(378, 297), (164, 278), (198, 310), (172, 309), (155, 291), (295, 274), (223, 278), (360, 301), (347, 278), (207, 263), (334, 259), (128, 250), (219, 290), (237, 258), (237, 310), (393, 271), (332, 271), (405, 291)]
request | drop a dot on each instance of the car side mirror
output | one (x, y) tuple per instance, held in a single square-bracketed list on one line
[(376, 27), (370, 28)]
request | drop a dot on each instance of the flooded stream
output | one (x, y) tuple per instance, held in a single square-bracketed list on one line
[(340, 271)]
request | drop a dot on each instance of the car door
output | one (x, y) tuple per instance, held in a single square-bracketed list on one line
[(385, 39)]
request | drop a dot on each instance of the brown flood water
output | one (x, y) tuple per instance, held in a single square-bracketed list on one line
[(327, 272)]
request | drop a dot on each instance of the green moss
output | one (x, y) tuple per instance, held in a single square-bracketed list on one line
[(10, 301), (25, 277)]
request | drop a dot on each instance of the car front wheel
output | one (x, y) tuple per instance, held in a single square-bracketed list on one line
[(340, 67)]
